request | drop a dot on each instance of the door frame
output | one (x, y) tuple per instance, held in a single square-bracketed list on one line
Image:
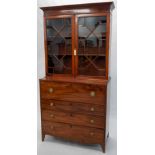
[(72, 42), (107, 40)]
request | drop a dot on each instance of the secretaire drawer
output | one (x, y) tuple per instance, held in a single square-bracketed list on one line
[(73, 92), (75, 107), (74, 132), (76, 119)]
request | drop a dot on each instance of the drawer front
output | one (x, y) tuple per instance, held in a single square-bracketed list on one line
[(74, 132), (66, 106), (76, 119), (73, 92)]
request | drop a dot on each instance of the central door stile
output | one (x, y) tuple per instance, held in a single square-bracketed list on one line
[(76, 44)]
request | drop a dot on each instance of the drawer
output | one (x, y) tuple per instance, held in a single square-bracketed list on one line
[(73, 92), (74, 107), (72, 118), (73, 132)]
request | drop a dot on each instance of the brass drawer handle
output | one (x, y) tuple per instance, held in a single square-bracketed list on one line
[(52, 115), (51, 104), (92, 93), (52, 127), (92, 121), (92, 109), (50, 90), (92, 133)]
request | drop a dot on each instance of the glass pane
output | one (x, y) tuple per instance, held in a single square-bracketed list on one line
[(91, 45), (59, 46)]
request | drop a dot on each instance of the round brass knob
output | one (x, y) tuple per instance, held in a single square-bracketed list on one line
[(92, 93), (92, 133), (52, 115), (51, 104), (50, 90), (92, 121), (92, 109)]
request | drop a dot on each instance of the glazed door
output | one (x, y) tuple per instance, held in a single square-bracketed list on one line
[(91, 45), (58, 44)]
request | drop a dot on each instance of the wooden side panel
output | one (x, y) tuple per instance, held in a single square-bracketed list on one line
[(107, 44)]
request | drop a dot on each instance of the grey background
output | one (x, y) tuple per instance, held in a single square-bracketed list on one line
[(54, 146)]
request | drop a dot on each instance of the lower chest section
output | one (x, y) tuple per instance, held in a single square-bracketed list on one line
[(73, 111)]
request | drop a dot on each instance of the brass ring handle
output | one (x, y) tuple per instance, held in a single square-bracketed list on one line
[(92, 109), (52, 127), (51, 104), (52, 115), (92, 133), (92, 93), (92, 121), (50, 90)]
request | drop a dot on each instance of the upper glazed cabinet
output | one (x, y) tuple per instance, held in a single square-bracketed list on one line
[(77, 42)]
